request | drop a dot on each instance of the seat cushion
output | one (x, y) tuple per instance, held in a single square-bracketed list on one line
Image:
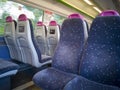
[(45, 58), (52, 79), (80, 83), (7, 68)]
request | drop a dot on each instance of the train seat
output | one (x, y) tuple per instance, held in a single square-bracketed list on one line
[(9, 36), (101, 62), (27, 45), (7, 69), (40, 36), (66, 58), (81, 83), (53, 36)]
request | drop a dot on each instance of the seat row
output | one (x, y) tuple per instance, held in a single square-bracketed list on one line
[(82, 63), (34, 47), (47, 39)]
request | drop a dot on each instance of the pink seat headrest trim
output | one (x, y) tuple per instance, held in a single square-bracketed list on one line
[(53, 23), (109, 13), (39, 23), (75, 15), (22, 17), (9, 19)]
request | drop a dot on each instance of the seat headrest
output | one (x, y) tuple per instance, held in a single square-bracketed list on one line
[(39, 23), (109, 13), (9, 19), (53, 23), (22, 17), (75, 15)]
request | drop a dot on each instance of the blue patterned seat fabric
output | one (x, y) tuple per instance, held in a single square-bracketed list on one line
[(69, 49), (101, 62), (52, 79), (66, 57), (80, 83)]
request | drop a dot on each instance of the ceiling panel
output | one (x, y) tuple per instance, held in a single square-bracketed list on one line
[(105, 4), (82, 6)]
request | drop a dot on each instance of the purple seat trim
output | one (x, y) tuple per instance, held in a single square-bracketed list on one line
[(75, 15), (9, 19), (53, 23), (109, 13), (39, 23), (22, 17)]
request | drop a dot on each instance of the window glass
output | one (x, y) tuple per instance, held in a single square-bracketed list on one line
[(48, 16), (59, 18), (15, 9), (37, 14), (3, 14)]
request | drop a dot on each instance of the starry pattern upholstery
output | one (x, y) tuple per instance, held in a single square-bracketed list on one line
[(52, 79), (69, 48), (80, 83), (66, 58), (101, 62)]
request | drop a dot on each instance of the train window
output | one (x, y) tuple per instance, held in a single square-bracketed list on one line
[(59, 18), (15, 9), (48, 16), (37, 15)]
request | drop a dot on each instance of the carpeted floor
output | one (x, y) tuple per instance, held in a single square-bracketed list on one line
[(33, 88), (27, 86)]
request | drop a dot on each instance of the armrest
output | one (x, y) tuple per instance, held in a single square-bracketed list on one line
[(81, 83)]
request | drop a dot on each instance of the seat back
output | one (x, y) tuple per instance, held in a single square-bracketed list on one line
[(101, 62), (53, 36), (73, 35), (40, 33), (9, 35), (26, 42)]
